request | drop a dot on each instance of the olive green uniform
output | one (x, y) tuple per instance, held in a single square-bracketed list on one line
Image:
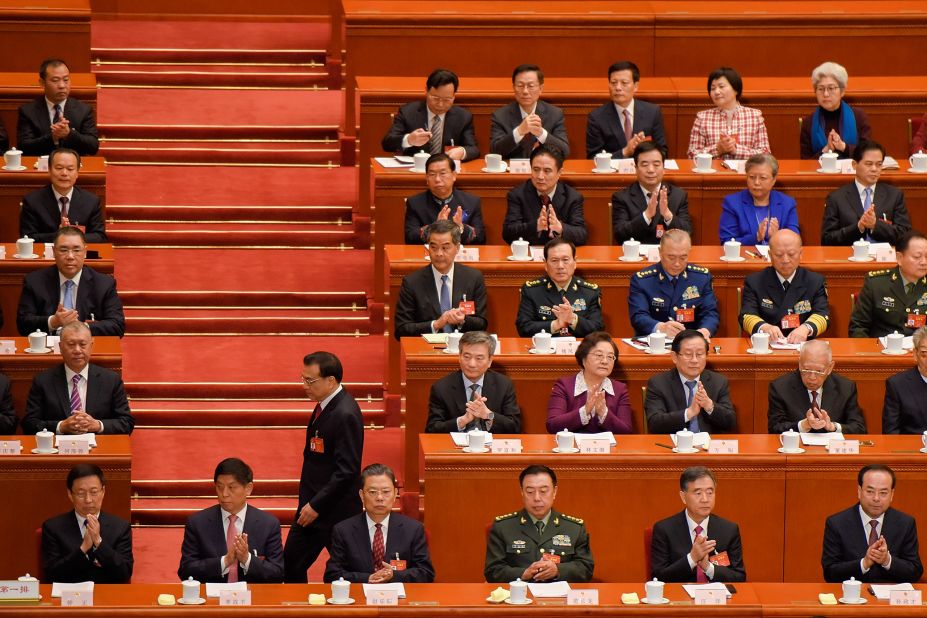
[(883, 304), (515, 543)]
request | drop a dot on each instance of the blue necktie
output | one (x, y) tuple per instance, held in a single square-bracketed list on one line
[(693, 424), (867, 202), (445, 301), (68, 294)]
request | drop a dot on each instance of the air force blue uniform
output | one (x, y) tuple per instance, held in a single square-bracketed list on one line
[(655, 296)]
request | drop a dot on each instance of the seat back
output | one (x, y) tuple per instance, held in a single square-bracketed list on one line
[(648, 538)]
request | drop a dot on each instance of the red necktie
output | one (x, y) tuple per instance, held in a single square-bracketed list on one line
[(229, 542), (700, 576), (379, 550)]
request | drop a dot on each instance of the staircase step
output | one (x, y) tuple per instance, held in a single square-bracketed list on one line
[(231, 235), (246, 321), (220, 75), (251, 299), (325, 153), (153, 413), (265, 214)]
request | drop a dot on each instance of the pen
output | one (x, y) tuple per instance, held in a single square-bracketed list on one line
[(752, 254), (670, 447)]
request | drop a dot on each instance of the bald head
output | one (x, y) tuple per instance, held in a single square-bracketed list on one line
[(785, 252), (816, 350)]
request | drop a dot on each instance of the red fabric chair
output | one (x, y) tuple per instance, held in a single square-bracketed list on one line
[(39, 572), (914, 125), (648, 537)]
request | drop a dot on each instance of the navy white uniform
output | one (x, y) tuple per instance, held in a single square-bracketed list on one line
[(655, 296)]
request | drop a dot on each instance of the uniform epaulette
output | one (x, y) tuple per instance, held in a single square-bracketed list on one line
[(697, 269), (643, 274), (586, 284), (573, 519), (880, 273), (530, 284), (506, 516)]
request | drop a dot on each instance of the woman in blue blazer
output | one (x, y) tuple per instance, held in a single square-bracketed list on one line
[(753, 215)]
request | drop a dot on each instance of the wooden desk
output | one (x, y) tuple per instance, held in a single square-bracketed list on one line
[(15, 185), (749, 377), (13, 271), (21, 367), (776, 499), (19, 88), (802, 600), (36, 490), (28, 29)]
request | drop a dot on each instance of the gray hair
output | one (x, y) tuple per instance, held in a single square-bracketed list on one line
[(77, 325), (830, 69), (816, 346), (443, 226), (763, 158), (479, 337), (675, 235), (919, 335)]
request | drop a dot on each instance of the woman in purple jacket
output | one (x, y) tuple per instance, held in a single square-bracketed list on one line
[(590, 401)]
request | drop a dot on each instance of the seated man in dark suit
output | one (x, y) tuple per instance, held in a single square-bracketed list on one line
[(7, 413), (784, 300), (442, 296), (528, 122), (443, 202), (77, 396), (543, 208), (379, 546), (474, 397), (865, 208), (61, 204), (905, 407), (812, 398), (871, 541), (54, 120), (695, 545), (689, 396), (622, 124), (4, 138), (87, 544), (647, 208), (69, 292), (232, 541), (434, 125)]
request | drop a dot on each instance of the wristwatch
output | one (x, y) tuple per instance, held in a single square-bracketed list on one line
[(490, 416)]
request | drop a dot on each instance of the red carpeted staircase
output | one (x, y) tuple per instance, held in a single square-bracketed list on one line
[(232, 200)]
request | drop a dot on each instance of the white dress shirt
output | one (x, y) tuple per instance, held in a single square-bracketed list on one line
[(372, 530), (450, 288), (866, 519), (81, 391), (581, 387), (61, 280), (541, 138), (710, 571), (239, 527)]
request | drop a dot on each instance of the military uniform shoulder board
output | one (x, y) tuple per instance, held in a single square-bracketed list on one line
[(573, 519), (586, 284), (643, 274), (506, 516), (697, 269), (531, 284), (880, 273)]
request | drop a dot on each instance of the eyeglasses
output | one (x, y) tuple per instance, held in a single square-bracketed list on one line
[(311, 381), (438, 99), (528, 87), (827, 89), (599, 356), (441, 174), (82, 495), (693, 356), (64, 251), (812, 372), (376, 493)]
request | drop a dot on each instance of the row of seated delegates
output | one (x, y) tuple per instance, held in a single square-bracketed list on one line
[(54, 120)]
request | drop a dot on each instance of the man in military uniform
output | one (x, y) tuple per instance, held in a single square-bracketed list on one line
[(784, 300), (559, 303), (537, 543), (894, 299), (673, 295)]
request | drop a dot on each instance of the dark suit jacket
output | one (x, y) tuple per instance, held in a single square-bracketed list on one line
[(34, 135), (50, 400), (789, 400), (329, 479), (605, 129), (40, 216), (666, 401), (418, 304), (96, 294), (563, 409), (629, 204), (671, 543), (4, 138), (63, 561), (458, 126), (905, 407), (524, 208), (7, 412), (448, 401), (505, 119), (204, 544), (843, 208), (422, 211), (351, 555), (846, 542)]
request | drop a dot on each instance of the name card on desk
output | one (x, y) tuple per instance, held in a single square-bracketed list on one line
[(843, 447), (625, 166), (537, 254), (468, 254), (77, 598), (506, 446), (10, 447), (585, 596), (565, 345), (73, 447), (710, 597), (383, 597), (519, 166), (904, 597), (723, 447), (12, 590), (7, 346), (596, 446), (234, 597)]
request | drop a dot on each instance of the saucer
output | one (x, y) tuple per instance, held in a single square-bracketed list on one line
[(536, 351), (624, 258), (662, 601), (51, 452), (502, 171), (596, 170), (14, 169), (797, 451), (698, 171), (923, 450), (512, 258), (34, 256), (467, 449), (198, 601), (688, 451), (334, 602), (42, 351), (865, 259), (752, 351), (447, 351), (911, 170), (858, 601), (821, 170), (649, 351), (739, 258), (901, 353), (569, 450), (525, 602)]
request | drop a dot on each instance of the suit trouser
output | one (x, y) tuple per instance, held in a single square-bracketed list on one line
[(303, 546)]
